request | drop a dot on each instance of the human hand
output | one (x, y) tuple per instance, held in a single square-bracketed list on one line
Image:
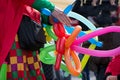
[(111, 77), (63, 18), (74, 22), (94, 2), (112, 2)]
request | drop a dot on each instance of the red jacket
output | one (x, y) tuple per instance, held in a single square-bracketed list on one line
[(11, 12), (114, 66)]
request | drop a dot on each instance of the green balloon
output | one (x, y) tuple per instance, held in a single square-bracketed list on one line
[(3, 72), (50, 33), (47, 56)]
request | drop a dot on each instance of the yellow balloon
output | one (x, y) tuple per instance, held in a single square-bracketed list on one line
[(48, 38), (86, 57)]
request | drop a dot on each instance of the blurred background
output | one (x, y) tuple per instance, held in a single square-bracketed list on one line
[(61, 3)]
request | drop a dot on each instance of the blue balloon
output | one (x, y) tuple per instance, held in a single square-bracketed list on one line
[(82, 33), (68, 9), (87, 23), (46, 11), (82, 19)]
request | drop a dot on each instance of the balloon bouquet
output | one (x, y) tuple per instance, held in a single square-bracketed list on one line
[(68, 41)]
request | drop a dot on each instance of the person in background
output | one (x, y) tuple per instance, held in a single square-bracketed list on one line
[(113, 70), (99, 13)]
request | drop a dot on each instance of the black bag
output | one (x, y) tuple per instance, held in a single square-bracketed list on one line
[(31, 35)]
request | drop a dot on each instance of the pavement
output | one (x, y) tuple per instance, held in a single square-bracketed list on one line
[(92, 77)]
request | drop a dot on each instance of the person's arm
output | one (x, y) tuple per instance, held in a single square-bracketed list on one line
[(112, 78), (39, 4), (57, 13)]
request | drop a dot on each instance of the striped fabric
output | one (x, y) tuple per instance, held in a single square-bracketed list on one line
[(23, 65)]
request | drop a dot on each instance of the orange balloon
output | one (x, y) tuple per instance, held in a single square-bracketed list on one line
[(75, 71), (72, 37)]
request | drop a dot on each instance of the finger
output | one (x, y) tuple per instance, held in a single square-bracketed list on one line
[(65, 20), (108, 78)]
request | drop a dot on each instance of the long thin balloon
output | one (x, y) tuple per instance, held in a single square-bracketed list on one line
[(97, 33), (50, 32), (49, 58), (82, 19), (82, 33), (98, 53), (45, 57), (68, 9), (3, 71), (79, 17), (86, 57)]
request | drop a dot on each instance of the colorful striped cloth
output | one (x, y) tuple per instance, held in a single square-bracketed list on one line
[(23, 65)]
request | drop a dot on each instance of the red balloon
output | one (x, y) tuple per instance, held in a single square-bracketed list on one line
[(60, 47), (59, 30), (67, 35)]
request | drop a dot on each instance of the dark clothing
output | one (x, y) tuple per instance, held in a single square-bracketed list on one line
[(101, 15)]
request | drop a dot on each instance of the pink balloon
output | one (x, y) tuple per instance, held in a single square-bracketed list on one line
[(98, 53), (97, 33)]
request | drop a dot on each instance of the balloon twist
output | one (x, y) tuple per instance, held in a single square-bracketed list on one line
[(63, 48)]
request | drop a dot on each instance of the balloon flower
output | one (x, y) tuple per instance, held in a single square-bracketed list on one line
[(68, 42)]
